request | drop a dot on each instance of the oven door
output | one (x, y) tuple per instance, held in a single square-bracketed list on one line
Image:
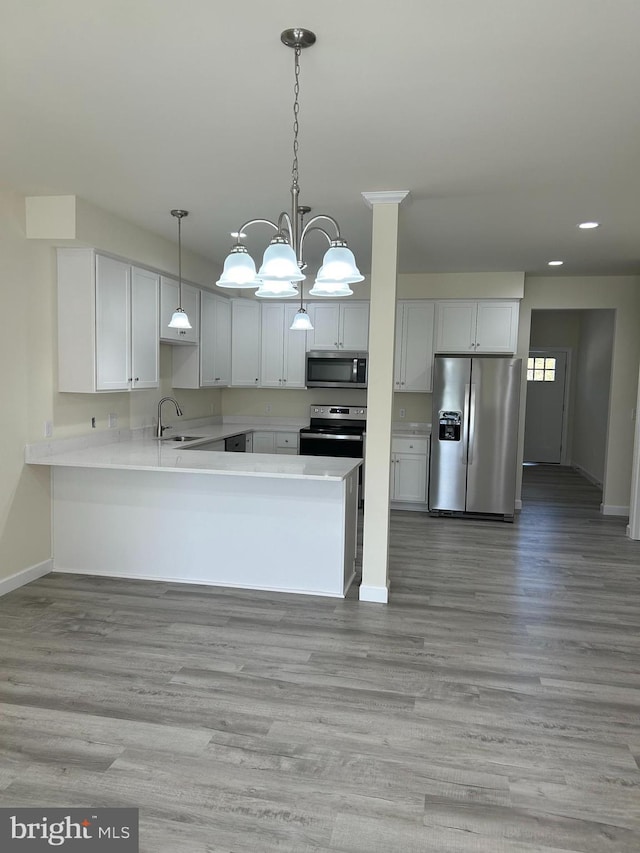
[(331, 444)]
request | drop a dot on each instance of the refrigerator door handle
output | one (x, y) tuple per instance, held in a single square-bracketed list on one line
[(465, 427), (472, 422)]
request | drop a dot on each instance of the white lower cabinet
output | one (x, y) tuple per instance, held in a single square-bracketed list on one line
[(409, 467), (285, 442), (107, 324)]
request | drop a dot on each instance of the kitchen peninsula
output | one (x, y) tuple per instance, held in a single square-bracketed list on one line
[(156, 510)]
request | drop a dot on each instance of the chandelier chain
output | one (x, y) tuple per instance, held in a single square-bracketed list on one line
[(296, 110)]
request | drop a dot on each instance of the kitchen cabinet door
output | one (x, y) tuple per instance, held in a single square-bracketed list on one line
[(215, 340), (294, 351), (264, 442), (245, 342), (413, 370), (145, 312), (169, 300), (339, 325), (354, 326), (271, 362), (113, 324), (282, 351), (497, 327), (456, 327), (410, 477), (325, 318)]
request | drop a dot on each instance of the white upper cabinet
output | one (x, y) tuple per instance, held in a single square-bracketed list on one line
[(477, 327), (145, 310), (169, 301), (339, 325), (107, 324), (413, 368), (245, 342), (207, 365), (282, 351)]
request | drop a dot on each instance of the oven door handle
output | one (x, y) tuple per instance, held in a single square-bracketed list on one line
[(321, 436)]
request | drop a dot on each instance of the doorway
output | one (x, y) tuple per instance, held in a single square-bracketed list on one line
[(547, 409)]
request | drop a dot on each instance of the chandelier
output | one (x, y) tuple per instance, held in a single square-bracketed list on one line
[(283, 261)]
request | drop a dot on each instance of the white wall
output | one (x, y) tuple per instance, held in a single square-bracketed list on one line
[(593, 380), (28, 347)]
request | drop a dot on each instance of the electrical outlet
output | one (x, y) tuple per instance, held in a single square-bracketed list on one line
[(403, 413), (267, 409), (93, 423), (113, 420), (48, 429)]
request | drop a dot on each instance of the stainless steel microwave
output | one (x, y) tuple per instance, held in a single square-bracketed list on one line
[(336, 369)]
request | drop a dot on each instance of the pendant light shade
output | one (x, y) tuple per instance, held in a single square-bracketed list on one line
[(179, 320), (276, 290), (279, 263), (239, 269), (339, 265), (301, 322), (331, 289)]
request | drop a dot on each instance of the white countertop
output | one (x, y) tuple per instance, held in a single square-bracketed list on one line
[(120, 451)]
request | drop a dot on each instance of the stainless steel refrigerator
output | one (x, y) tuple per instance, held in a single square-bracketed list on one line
[(474, 438)]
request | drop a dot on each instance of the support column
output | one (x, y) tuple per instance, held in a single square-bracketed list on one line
[(633, 528), (382, 326)]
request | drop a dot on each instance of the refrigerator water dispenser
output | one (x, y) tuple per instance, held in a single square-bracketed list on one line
[(450, 423)]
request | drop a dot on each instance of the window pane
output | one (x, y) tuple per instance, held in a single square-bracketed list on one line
[(530, 373), (539, 363), (549, 376), (529, 364), (538, 375), (550, 364)]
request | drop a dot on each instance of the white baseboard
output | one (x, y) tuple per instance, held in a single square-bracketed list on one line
[(25, 576), (612, 509), (587, 475), (379, 594), (409, 506)]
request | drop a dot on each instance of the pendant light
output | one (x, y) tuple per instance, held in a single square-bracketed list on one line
[(283, 262), (179, 320)]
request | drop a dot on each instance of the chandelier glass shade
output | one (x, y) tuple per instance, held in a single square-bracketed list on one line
[(283, 261)]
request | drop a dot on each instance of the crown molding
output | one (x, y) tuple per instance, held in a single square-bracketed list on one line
[(385, 197)]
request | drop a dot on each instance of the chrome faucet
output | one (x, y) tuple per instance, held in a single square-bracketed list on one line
[(160, 430)]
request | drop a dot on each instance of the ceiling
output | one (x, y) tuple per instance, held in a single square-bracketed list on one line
[(509, 121)]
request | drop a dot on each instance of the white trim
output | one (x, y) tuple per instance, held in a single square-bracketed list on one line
[(409, 506), (140, 576), (379, 594), (612, 509), (25, 576), (518, 505), (587, 475), (385, 197)]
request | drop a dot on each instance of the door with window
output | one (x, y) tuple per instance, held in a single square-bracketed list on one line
[(546, 405)]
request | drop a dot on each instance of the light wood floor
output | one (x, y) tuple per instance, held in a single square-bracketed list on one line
[(492, 707)]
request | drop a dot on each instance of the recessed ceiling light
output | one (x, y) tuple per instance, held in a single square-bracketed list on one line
[(587, 225), (555, 263)]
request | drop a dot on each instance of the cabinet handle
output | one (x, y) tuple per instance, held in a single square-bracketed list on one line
[(182, 332), (402, 383), (336, 344), (285, 381), (217, 379), (256, 379)]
